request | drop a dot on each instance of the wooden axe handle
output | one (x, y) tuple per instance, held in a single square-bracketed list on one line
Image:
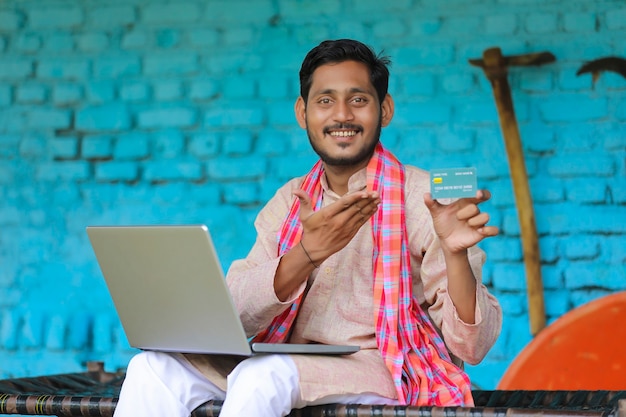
[(525, 211), (496, 72)]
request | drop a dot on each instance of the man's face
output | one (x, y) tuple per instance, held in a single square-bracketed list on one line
[(343, 116)]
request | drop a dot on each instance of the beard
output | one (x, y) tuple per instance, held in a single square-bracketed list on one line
[(363, 155)]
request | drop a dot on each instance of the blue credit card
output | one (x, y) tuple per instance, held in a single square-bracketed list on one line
[(453, 183)]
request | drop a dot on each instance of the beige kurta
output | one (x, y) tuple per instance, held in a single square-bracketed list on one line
[(339, 307)]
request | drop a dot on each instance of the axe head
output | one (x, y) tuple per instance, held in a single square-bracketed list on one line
[(494, 62)]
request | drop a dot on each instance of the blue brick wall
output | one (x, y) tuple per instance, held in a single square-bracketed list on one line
[(158, 112)]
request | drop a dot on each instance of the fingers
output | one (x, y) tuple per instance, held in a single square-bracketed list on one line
[(305, 203)]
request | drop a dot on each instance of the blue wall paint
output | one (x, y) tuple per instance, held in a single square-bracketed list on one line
[(127, 112)]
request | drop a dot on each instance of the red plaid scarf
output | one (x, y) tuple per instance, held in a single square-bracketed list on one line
[(415, 354)]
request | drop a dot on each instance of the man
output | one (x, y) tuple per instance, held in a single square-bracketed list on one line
[(355, 252)]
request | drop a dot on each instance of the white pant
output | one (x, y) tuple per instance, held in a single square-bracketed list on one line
[(164, 384)]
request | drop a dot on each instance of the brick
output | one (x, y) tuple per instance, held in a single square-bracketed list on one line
[(78, 327), (568, 80), (615, 19), (28, 43), (457, 83), (390, 28), (63, 69), (171, 64), (569, 110), (117, 171), (237, 142), (32, 330), (54, 17), (422, 112), (576, 249), (45, 118), (11, 20), (541, 23), (58, 42), (54, 337), (425, 26), (239, 11), (243, 61), (503, 249), (102, 334), (97, 147), (556, 303), (581, 275), (588, 190), (504, 24), (477, 111), (114, 116), (240, 36), (203, 37), (424, 85), (281, 113), (169, 170), (116, 66), (458, 142), (617, 190), (454, 26), (551, 275), (237, 115), (535, 80), (277, 89), (204, 90), (239, 87), (64, 94), (65, 171), (579, 165), (135, 39), (167, 90), (133, 145), (31, 94), (573, 219), (8, 329), (179, 12), (64, 147), (166, 117), (17, 69), (243, 194), (577, 22), (547, 190), (167, 38), (168, 144), (136, 91), (586, 296), (99, 92), (236, 168), (6, 95), (296, 165), (512, 303), (272, 142), (107, 16), (92, 42), (202, 145), (425, 56), (204, 193)]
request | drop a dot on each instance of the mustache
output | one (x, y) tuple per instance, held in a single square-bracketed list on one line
[(344, 126)]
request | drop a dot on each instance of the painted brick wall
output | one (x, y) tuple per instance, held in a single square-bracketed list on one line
[(139, 111)]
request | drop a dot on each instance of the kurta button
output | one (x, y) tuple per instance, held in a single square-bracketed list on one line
[(327, 270)]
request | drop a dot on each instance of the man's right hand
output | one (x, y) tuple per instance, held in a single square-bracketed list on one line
[(331, 228)]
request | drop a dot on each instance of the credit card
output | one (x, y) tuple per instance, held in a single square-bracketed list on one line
[(453, 183)]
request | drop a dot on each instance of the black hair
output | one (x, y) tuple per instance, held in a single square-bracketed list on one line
[(341, 50)]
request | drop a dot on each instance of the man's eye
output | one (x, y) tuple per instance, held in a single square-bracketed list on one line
[(324, 100)]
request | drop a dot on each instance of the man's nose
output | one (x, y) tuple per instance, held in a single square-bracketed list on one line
[(343, 111)]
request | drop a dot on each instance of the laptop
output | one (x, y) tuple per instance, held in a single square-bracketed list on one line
[(170, 294)]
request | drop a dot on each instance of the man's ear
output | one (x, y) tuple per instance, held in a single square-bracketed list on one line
[(300, 110), (387, 109)]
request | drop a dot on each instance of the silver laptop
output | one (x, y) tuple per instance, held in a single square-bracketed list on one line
[(169, 291)]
